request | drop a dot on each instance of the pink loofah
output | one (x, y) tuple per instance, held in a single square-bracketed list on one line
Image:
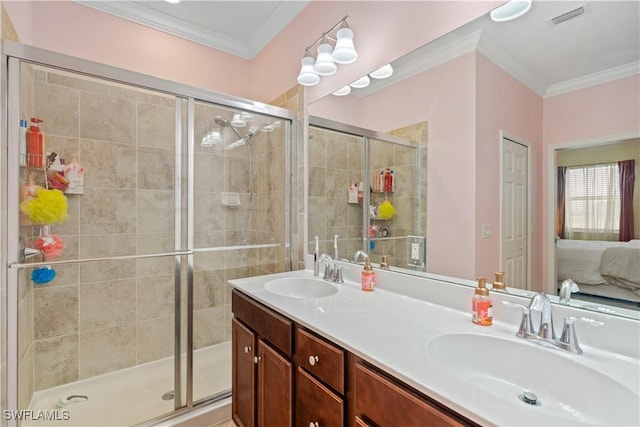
[(51, 245)]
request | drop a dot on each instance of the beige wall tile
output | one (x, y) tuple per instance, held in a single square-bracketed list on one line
[(108, 165), (155, 211), (107, 118), (107, 304), (156, 125), (108, 211), (66, 80), (59, 108), (25, 379), (155, 339), (55, 311), (209, 326), (156, 297), (107, 350), (155, 168), (208, 289), (25, 325), (56, 361)]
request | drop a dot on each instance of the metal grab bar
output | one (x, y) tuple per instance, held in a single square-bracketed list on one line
[(144, 256)]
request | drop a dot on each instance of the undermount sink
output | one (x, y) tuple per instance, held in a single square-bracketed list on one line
[(567, 391), (300, 287)]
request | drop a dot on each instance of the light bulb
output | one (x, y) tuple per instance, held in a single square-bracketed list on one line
[(346, 90), (344, 52), (308, 75), (325, 66), (382, 72), (361, 82)]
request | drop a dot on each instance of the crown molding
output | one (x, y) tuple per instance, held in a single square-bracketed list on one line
[(589, 80), (140, 14)]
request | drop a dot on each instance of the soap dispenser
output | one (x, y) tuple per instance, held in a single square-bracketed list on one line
[(368, 275), (499, 282), (481, 305)]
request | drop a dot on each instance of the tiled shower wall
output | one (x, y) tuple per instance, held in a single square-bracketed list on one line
[(335, 161), (97, 317)]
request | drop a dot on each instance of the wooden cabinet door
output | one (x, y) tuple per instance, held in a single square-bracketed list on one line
[(316, 405), (275, 388), (243, 375)]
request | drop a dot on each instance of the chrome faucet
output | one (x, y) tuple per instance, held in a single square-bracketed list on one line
[(566, 289), (545, 334), (332, 271), (359, 254)]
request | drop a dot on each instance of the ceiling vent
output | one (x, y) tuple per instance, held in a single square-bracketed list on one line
[(567, 15)]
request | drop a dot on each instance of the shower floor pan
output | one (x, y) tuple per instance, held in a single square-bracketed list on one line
[(133, 395)]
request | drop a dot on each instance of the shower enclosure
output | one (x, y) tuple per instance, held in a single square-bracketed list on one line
[(183, 190)]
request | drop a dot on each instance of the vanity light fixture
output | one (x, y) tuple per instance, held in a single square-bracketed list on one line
[(361, 82), (237, 122), (325, 62), (383, 72), (511, 10), (343, 91)]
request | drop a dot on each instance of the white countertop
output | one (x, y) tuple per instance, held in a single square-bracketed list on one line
[(392, 331)]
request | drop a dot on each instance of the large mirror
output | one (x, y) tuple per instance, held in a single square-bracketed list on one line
[(502, 105)]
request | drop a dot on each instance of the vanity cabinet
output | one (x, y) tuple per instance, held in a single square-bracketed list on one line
[(320, 381), (283, 372), (262, 371), (380, 400)]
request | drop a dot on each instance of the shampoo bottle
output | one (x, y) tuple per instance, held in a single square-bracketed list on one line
[(481, 305), (368, 276), (35, 145), (22, 143)]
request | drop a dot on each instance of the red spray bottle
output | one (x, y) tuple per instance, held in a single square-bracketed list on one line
[(35, 144)]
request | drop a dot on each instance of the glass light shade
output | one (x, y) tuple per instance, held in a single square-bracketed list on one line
[(308, 76), (361, 82), (247, 117), (276, 124), (344, 52), (215, 137), (325, 66), (510, 10), (237, 122), (383, 72), (344, 91), (268, 128)]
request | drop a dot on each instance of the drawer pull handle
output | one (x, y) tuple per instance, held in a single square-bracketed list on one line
[(256, 359), (314, 424), (247, 348), (313, 360)]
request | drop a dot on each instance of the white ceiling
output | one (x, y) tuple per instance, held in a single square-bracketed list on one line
[(599, 45)]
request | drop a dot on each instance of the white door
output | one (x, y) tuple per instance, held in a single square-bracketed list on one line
[(515, 176)]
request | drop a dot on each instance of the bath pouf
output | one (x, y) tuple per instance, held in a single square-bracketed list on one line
[(43, 275), (47, 207), (386, 210), (51, 245)]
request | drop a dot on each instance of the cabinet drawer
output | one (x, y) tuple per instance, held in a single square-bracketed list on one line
[(385, 403), (274, 328), (323, 359), (316, 404)]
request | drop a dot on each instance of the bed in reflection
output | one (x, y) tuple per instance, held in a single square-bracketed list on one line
[(601, 268)]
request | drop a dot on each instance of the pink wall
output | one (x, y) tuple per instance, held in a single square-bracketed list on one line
[(503, 103), (80, 31)]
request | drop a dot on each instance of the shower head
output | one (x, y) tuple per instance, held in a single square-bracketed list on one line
[(221, 121)]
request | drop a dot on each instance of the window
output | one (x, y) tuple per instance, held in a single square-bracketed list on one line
[(592, 202)]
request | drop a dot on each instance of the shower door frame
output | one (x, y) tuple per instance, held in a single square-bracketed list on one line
[(13, 54)]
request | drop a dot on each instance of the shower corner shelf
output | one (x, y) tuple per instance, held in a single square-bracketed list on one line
[(231, 199)]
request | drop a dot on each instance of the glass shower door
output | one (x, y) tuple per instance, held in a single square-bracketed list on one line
[(100, 333)]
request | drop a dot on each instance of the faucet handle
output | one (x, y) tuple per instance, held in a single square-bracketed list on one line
[(526, 325), (569, 339), (338, 274)]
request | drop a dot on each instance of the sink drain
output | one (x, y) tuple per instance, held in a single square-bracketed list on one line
[(170, 395), (529, 398)]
